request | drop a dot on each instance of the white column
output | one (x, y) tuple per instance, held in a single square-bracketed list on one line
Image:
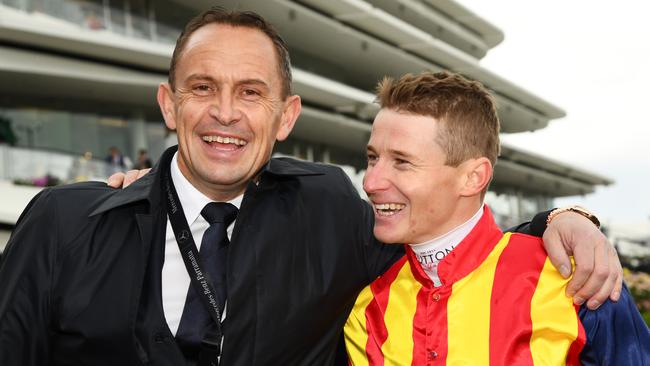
[(138, 136)]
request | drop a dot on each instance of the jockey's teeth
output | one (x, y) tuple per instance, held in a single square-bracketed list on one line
[(388, 209), (224, 140)]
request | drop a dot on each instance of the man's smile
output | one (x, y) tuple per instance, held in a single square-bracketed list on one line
[(224, 140), (388, 209)]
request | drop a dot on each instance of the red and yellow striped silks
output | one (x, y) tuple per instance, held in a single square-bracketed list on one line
[(501, 303)]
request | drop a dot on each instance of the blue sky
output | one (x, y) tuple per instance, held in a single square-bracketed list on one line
[(591, 58)]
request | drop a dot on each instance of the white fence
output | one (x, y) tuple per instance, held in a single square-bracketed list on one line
[(29, 164)]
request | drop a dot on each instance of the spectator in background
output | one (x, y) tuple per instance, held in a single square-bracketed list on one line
[(143, 161), (115, 157), (116, 161), (93, 21)]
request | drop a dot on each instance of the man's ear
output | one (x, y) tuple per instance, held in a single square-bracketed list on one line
[(477, 174), (292, 108), (165, 99)]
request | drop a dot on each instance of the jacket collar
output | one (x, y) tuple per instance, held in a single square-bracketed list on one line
[(148, 188), (289, 167)]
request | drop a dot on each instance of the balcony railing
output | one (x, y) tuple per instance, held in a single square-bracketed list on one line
[(35, 167), (135, 19)]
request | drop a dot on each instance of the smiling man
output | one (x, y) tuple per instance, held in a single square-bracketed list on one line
[(159, 274), (222, 74), (465, 293)]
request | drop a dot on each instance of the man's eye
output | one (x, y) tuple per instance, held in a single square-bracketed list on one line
[(371, 159), (202, 89), (402, 164), (250, 93)]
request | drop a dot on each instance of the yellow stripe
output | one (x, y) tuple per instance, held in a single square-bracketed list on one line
[(468, 313), (402, 303), (356, 334), (555, 322)]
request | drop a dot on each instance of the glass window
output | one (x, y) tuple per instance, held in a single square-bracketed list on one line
[(51, 7), (113, 132), (83, 130), (118, 16), (170, 20), (89, 14), (53, 131), (68, 132), (69, 10), (156, 139), (160, 21), (27, 126), (18, 4), (92, 12), (139, 15)]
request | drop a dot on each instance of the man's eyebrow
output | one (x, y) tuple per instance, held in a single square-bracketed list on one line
[(199, 77), (395, 152), (253, 81), (250, 81), (400, 154)]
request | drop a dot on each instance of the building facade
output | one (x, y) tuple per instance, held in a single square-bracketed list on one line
[(78, 77)]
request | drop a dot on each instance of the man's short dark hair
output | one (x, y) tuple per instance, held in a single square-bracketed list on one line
[(465, 110), (247, 19)]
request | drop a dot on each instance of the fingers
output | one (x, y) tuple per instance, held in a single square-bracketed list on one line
[(142, 172), (618, 287), (116, 180), (130, 177), (598, 274), (584, 266), (557, 253), (598, 279), (123, 180), (612, 286), (615, 263), (603, 293)]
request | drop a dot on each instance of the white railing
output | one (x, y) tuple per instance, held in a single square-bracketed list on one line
[(24, 164)]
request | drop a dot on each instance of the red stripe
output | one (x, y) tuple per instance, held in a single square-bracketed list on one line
[(375, 311), (439, 333), (430, 320), (515, 280), (573, 358), (467, 256), (420, 328)]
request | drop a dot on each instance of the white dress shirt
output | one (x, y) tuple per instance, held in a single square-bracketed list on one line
[(175, 279)]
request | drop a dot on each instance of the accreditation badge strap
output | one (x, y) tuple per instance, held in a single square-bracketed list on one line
[(211, 343)]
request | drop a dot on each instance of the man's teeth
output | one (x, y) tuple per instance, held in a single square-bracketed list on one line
[(388, 209), (224, 140)]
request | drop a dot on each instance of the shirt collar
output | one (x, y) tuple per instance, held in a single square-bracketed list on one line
[(192, 200), (466, 256), (454, 236)]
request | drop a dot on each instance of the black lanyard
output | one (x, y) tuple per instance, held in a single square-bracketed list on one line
[(211, 343)]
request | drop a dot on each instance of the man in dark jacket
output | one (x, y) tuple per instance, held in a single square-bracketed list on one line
[(95, 276)]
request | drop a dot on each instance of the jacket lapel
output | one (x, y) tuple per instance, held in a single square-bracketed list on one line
[(147, 188)]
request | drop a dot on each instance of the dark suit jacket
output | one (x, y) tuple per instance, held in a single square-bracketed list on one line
[(80, 284)]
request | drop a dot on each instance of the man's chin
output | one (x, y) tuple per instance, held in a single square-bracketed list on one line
[(387, 238)]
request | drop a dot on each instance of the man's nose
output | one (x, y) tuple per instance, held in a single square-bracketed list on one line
[(375, 178), (225, 109)]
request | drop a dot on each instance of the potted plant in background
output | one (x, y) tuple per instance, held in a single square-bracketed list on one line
[(7, 135)]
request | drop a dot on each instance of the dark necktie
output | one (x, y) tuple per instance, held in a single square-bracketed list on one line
[(214, 258)]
